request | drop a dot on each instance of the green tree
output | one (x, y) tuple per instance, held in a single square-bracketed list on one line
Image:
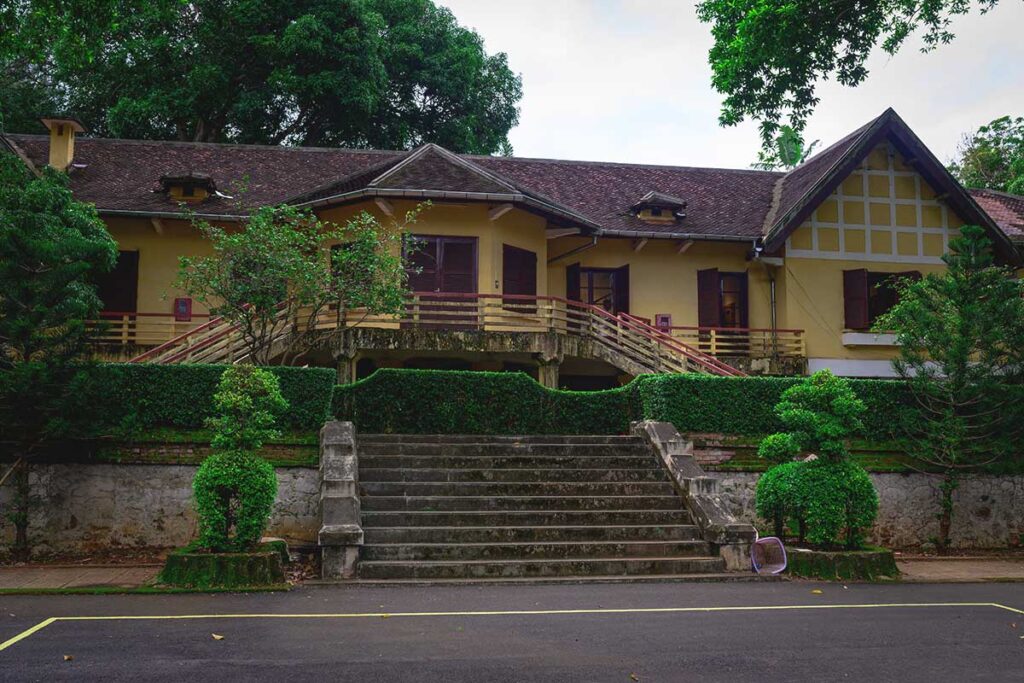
[(961, 337), (51, 249), (787, 152), (275, 278), (235, 488), (820, 414), (769, 55), (993, 156), (377, 73), (828, 498)]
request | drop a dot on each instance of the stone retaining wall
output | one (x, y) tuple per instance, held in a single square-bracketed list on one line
[(988, 513), (86, 506)]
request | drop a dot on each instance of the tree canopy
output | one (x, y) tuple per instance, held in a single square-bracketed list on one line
[(361, 73), (51, 250), (992, 157), (769, 55), (961, 339)]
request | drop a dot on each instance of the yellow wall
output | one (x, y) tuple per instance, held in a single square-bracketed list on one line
[(158, 257), (515, 228), (884, 217), (661, 280)]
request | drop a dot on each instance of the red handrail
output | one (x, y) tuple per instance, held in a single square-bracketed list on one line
[(730, 329), (629, 322), (140, 314)]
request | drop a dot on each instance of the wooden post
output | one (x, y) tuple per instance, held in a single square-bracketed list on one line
[(714, 342), (124, 329)]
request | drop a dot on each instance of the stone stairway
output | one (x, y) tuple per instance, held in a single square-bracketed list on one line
[(523, 508)]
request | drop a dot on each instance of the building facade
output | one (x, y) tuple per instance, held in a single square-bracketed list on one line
[(581, 273)]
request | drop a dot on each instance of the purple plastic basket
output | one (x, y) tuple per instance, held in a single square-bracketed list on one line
[(768, 555)]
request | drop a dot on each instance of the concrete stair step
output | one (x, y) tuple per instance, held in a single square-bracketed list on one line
[(498, 439), (432, 552), (521, 518), (371, 489), (382, 474), (643, 461), (554, 502), (492, 449), (601, 566), (702, 577), (535, 534)]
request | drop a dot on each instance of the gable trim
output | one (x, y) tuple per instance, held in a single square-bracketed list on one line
[(889, 126)]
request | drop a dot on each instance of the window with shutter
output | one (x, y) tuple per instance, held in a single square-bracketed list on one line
[(855, 299), (519, 276), (572, 282), (620, 290), (118, 289), (709, 308)]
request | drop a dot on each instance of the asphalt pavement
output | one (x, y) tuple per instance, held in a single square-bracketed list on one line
[(792, 631)]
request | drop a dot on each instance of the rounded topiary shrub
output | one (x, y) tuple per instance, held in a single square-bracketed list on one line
[(778, 448), (775, 500), (838, 501), (234, 493)]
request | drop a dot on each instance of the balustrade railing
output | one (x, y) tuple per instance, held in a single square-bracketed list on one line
[(653, 349), (140, 329)]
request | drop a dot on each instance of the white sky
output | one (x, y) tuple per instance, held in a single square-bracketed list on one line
[(628, 80)]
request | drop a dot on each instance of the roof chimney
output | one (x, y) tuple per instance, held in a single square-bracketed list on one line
[(62, 140)]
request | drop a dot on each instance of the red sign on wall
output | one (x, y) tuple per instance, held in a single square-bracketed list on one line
[(183, 309)]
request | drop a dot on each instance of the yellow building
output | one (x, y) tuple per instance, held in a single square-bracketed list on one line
[(581, 273)]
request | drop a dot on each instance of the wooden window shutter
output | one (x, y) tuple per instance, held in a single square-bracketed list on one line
[(518, 271), (744, 301), (620, 289), (855, 299), (572, 282), (709, 299)]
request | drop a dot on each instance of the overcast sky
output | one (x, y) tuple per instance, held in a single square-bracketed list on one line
[(628, 80)]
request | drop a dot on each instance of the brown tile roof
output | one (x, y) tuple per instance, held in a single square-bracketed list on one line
[(121, 175), (1007, 210), (720, 202)]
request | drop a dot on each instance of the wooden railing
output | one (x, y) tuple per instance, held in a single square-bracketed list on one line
[(742, 342), (622, 336), (140, 329)]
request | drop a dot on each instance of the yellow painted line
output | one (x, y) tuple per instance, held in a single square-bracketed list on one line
[(1011, 609), (493, 613), (27, 632), (539, 612)]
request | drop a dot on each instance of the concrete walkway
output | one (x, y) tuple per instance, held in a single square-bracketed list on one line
[(962, 570), (40, 577), (69, 576)]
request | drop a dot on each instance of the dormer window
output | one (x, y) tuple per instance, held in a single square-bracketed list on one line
[(187, 187), (658, 207)]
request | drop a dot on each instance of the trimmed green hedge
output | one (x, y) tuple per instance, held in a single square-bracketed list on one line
[(745, 405), (464, 402), (127, 398)]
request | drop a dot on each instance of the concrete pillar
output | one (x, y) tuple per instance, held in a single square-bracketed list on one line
[(340, 534), (547, 371), (346, 368)]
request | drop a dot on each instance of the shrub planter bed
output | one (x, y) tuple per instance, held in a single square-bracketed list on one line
[(867, 565), (187, 568)]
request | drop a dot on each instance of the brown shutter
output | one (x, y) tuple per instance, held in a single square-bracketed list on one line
[(572, 282), (744, 305), (518, 271), (118, 289), (855, 299), (620, 290), (709, 298)]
